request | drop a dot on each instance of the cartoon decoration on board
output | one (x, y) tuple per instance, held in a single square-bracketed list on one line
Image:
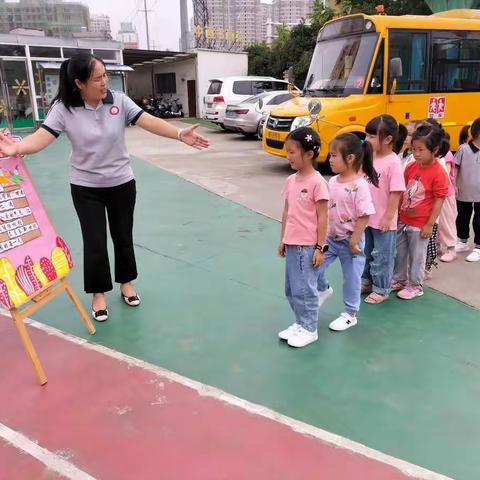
[(17, 285), (32, 255)]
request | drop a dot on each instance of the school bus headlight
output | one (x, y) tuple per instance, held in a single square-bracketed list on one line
[(301, 122)]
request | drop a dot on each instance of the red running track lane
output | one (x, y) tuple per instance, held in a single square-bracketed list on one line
[(17, 466), (116, 421)]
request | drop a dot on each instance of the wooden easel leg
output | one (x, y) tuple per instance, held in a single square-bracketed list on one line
[(29, 348), (78, 306)]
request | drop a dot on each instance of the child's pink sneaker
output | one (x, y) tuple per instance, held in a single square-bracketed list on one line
[(398, 285), (410, 292), (448, 256)]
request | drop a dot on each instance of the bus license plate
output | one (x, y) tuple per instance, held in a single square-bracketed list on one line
[(273, 135)]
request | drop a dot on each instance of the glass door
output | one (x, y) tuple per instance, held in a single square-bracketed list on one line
[(15, 95), (5, 112)]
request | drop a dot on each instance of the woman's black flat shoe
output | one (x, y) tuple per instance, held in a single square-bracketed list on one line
[(100, 315), (133, 301)]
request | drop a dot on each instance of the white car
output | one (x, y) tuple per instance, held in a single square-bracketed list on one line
[(248, 116), (233, 90)]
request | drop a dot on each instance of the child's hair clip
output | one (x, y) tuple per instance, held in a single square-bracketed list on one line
[(309, 138)]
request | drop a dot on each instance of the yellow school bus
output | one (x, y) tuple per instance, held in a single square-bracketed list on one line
[(412, 67)]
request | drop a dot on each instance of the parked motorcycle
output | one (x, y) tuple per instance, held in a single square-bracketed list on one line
[(162, 107)]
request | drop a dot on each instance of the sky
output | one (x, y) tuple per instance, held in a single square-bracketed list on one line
[(163, 20)]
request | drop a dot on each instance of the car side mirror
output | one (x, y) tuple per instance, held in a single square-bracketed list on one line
[(314, 108), (396, 67)]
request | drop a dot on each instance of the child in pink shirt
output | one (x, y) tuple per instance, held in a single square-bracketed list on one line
[(381, 233), (447, 229), (304, 230), (349, 211)]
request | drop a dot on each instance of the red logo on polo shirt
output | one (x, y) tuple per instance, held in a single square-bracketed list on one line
[(114, 110)]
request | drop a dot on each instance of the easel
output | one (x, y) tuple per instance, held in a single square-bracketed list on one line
[(34, 303)]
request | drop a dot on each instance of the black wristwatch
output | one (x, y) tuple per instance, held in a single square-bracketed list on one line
[(322, 248)]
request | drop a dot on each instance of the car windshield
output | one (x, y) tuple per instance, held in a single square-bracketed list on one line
[(256, 98), (340, 65)]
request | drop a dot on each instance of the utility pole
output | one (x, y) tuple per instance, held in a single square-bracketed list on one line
[(146, 22)]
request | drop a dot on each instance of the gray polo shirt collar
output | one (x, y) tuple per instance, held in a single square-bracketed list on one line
[(108, 100), (473, 147)]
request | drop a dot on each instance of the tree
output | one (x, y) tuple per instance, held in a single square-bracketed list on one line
[(321, 14), (392, 7), (281, 57), (259, 59)]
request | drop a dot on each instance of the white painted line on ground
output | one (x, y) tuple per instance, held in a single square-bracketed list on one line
[(52, 461), (407, 468)]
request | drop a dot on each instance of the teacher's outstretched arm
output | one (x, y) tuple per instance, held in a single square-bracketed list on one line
[(162, 128), (32, 144)]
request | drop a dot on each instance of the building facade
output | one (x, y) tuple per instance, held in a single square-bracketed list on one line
[(29, 73), (128, 35), (101, 24), (54, 17), (236, 24)]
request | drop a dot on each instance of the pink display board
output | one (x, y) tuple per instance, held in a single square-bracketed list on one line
[(32, 255)]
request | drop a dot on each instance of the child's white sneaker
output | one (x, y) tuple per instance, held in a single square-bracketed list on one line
[(474, 256), (462, 247), (343, 322), (288, 332), (325, 295), (302, 337)]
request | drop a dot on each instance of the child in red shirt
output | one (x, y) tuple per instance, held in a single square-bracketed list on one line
[(427, 187)]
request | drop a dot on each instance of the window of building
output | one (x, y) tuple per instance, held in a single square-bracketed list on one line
[(455, 61), (50, 52), (411, 48), (107, 54), (12, 51), (69, 52), (166, 83)]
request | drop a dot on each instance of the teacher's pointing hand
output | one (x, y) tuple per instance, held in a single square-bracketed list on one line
[(192, 138)]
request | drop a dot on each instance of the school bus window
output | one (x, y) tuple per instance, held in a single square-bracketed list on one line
[(411, 48), (376, 82), (340, 65), (456, 61)]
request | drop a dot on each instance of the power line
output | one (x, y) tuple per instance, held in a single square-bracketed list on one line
[(146, 11)]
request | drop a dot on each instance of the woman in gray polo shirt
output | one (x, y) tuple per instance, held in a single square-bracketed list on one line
[(94, 120)]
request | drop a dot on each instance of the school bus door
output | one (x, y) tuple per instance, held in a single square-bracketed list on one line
[(407, 81)]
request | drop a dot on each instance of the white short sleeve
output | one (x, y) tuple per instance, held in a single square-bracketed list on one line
[(55, 121), (131, 110)]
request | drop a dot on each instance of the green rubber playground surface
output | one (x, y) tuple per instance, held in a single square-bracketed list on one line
[(406, 381)]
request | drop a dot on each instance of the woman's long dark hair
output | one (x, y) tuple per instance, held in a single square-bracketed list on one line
[(350, 144), (79, 67)]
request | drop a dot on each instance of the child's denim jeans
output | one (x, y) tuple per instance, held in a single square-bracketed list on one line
[(352, 268), (380, 249), (301, 285)]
